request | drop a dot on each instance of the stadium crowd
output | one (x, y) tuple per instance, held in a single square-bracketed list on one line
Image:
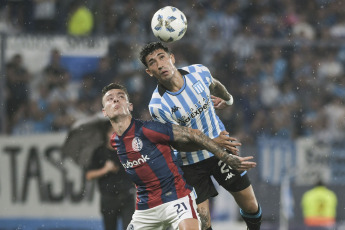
[(282, 60)]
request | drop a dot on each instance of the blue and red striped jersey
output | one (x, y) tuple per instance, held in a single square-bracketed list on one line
[(145, 153)]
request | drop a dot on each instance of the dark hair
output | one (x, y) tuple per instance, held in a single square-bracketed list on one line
[(114, 86), (151, 47)]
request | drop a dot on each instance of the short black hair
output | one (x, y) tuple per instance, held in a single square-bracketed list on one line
[(151, 47), (114, 86)]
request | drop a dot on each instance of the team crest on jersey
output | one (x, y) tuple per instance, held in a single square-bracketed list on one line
[(199, 87), (137, 144), (130, 227)]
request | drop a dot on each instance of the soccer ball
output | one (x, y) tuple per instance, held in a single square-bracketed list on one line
[(169, 24)]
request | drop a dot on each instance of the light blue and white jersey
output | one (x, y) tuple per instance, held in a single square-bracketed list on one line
[(191, 106)]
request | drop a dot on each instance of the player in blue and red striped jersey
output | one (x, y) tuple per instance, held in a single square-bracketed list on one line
[(186, 97), (144, 149)]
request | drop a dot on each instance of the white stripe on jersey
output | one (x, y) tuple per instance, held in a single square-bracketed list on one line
[(191, 106)]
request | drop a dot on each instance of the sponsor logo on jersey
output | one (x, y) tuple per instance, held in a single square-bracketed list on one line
[(194, 112), (174, 109), (137, 144), (131, 164), (199, 87)]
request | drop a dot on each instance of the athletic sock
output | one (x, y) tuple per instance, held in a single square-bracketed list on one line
[(253, 220)]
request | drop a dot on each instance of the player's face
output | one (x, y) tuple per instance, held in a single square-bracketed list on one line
[(161, 65), (116, 104)]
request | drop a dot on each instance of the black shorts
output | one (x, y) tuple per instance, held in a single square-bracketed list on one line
[(199, 175)]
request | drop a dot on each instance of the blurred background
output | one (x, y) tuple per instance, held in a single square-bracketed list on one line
[(282, 60)]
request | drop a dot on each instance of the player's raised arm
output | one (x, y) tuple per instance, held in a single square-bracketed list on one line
[(187, 136), (222, 97)]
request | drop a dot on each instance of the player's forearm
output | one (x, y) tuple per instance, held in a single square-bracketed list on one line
[(93, 174), (219, 90), (184, 135)]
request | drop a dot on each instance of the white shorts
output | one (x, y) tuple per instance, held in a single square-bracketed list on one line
[(165, 215)]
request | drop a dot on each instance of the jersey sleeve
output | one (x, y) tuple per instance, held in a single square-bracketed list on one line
[(161, 115), (159, 132), (205, 74)]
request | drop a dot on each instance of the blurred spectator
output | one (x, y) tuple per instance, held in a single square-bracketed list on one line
[(319, 206), (62, 90), (17, 15), (117, 200), (103, 75), (329, 65), (80, 20), (88, 90), (338, 30), (44, 16), (279, 63), (334, 112), (230, 21), (62, 117), (54, 61), (110, 18), (244, 43), (302, 29), (30, 119), (62, 99), (313, 120), (50, 74), (17, 79)]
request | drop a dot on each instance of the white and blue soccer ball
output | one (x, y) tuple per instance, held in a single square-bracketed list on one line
[(169, 24)]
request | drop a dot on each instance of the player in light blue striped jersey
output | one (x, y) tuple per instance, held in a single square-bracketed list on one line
[(188, 97)]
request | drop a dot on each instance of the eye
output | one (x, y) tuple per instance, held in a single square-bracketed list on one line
[(150, 63)]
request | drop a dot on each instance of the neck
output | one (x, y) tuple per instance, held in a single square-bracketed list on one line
[(175, 83), (120, 124)]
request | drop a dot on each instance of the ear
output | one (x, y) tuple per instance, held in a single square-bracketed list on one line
[(104, 112), (130, 107), (172, 57), (149, 72)]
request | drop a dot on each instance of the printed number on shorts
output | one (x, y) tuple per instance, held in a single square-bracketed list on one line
[(225, 169), (180, 207)]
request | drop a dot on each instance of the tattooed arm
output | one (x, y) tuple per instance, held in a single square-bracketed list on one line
[(187, 136), (219, 95), (219, 90), (223, 140)]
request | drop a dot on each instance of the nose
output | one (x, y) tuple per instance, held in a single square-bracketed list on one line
[(160, 65)]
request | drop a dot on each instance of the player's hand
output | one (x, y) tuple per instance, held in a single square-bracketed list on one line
[(218, 103), (246, 164), (110, 166), (227, 142), (241, 163)]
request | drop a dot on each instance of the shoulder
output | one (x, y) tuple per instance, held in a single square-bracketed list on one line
[(151, 124), (157, 94), (195, 68), (156, 97), (158, 101)]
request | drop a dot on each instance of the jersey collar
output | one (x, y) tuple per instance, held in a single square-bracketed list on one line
[(162, 89)]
